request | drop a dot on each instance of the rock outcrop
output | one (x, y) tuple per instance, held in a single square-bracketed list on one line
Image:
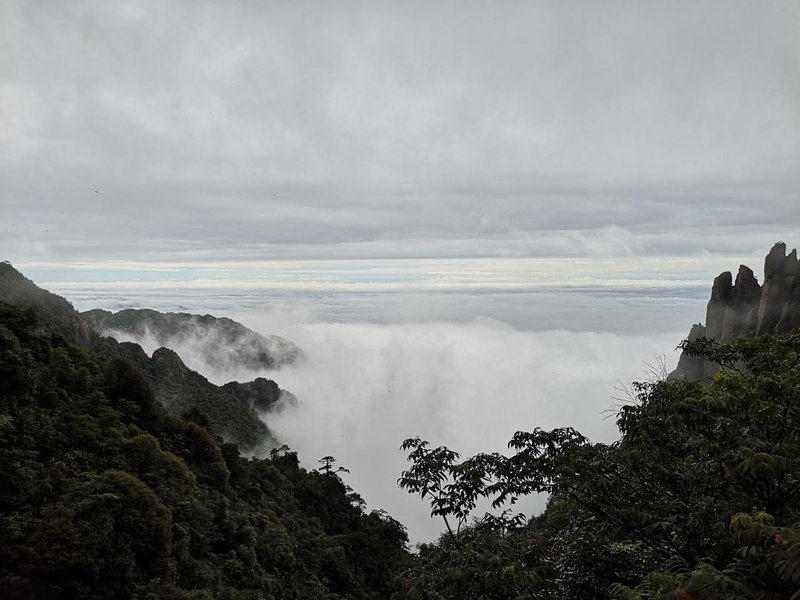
[(691, 367), (778, 311), (743, 308)]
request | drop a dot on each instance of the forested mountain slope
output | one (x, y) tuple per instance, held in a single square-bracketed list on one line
[(176, 386), (107, 495)]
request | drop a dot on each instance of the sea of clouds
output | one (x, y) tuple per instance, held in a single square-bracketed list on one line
[(470, 384)]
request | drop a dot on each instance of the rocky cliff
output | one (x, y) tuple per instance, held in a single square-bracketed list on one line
[(742, 308)]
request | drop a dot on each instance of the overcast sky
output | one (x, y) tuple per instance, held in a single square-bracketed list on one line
[(260, 130)]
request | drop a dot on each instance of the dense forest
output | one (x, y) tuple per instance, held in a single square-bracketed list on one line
[(107, 492), (106, 495)]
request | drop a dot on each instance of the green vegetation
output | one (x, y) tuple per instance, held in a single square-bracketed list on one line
[(53, 313), (699, 498), (231, 410), (230, 413), (106, 495)]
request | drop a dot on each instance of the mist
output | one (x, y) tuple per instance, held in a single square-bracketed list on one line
[(363, 388)]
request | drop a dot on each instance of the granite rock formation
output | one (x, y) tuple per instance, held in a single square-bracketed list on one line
[(742, 308)]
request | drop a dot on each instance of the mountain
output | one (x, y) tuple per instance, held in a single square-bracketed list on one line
[(742, 308), (231, 412), (262, 395), (222, 344), (106, 495), (53, 312)]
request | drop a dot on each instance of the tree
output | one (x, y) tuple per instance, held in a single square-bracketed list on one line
[(694, 464), (493, 556), (327, 463)]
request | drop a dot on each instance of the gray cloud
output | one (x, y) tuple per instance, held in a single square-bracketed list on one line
[(183, 129)]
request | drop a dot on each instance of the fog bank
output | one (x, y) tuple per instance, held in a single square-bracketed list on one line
[(363, 388)]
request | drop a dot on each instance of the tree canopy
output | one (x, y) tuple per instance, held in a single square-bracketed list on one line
[(106, 495), (699, 497)]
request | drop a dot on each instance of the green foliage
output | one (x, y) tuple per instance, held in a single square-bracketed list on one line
[(483, 560), (53, 313), (105, 495), (185, 392), (699, 498), (231, 410)]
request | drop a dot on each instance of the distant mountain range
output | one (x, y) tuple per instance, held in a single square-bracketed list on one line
[(231, 411)]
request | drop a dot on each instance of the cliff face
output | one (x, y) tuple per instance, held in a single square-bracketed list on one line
[(779, 309), (743, 308)]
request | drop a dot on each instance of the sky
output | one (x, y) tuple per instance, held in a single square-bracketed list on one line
[(249, 131), (472, 216)]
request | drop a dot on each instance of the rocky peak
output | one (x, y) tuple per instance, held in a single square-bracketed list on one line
[(779, 310), (733, 308), (775, 260), (746, 288), (743, 308)]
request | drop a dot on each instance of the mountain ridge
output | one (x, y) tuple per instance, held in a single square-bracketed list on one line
[(106, 494), (221, 342), (231, 411)]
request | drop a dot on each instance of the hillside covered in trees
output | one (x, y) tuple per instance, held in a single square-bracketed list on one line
[(699, 498), (221, 343), (105, 494), (232, 411)]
